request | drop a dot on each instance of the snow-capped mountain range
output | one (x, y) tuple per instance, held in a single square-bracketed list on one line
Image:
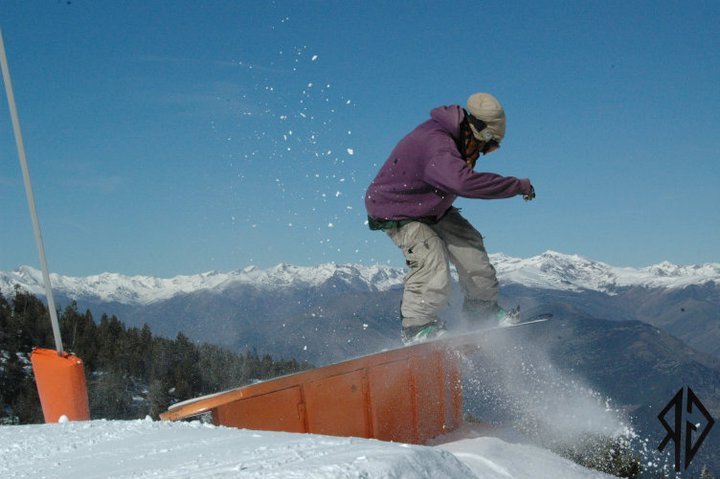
[(551, 270)]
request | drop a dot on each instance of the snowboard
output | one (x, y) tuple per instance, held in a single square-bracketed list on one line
[(537, 318), (473, 338)]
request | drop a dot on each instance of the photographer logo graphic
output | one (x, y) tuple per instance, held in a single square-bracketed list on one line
[(675, 432)]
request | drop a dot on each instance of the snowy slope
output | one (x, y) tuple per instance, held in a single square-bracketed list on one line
[(550, 270), (146, 449)]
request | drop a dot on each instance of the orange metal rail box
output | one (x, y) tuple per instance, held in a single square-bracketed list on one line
[(409, 394)]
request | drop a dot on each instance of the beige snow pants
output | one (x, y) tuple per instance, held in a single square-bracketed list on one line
[(428, 250)]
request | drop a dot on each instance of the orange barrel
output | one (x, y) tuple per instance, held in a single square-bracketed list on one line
[(61, 385)]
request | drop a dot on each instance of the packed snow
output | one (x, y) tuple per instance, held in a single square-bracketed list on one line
[(146, 449), (550, 270)]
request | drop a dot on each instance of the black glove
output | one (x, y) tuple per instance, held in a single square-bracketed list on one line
[(530, 196)]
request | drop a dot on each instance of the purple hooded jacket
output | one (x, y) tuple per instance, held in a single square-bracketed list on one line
[(425, 173)]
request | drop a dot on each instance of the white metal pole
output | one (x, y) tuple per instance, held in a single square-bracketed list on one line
[(29, 195)]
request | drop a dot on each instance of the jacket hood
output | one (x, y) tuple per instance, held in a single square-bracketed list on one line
[(449, 118)]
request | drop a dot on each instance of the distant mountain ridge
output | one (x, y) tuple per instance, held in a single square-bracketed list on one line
[(114, 287), (551, 270)]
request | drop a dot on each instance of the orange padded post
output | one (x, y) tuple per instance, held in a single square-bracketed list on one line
[(61, 385)]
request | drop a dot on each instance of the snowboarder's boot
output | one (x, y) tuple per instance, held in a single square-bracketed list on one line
[(508, 318), (488, 314), (425, 332)]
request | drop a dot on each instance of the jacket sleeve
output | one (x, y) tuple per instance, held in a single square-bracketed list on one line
[(448, 172)]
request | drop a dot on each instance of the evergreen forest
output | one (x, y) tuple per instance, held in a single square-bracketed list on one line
[(130, 372)]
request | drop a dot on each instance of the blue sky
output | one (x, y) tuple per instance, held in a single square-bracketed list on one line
[(177, 137)]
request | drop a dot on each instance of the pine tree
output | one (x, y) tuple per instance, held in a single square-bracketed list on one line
[(185, 371), (79, 334), (705, 473), (19, 326), (158, 398), (111, 396), (605, 454)]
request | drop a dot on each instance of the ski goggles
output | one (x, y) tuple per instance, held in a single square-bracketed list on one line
[(490, 146), (479, 129)]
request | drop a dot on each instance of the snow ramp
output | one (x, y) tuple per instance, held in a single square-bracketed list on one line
[(409, 394)]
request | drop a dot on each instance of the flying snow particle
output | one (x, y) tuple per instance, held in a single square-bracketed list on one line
[(350, 151), (314, 57), (330, 225)]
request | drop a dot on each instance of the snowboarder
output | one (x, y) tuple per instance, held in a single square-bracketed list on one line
[(411, 199)]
